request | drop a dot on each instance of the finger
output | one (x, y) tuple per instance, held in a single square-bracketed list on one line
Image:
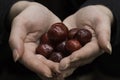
[(68, 72), (103, 31), (30, 60), (84, 55), (70, 22), (64, 63), (16, 39), (52, 65)]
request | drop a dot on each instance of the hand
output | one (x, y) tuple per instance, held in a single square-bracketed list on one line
[(30, 21), (96, 19)]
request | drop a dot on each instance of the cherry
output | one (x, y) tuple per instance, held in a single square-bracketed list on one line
[(58, 32), (72, 45), (56, 56), (44, 49), (84, 36)]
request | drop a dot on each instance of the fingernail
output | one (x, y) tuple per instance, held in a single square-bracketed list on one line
[(109, 48), (15, 55)]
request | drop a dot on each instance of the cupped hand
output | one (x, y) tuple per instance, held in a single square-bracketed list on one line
[(28, 25), (97, 19)]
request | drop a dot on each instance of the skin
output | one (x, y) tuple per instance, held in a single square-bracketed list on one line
[(31, 20), (98, 20)]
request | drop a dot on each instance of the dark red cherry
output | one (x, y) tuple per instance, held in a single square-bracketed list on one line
[(72, 45), (84, 36), (61, 47), (72, 32), (44, 49), (44, 39), (58, 32), (56, 56)]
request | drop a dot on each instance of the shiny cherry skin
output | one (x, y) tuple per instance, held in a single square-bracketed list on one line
[(84, 36), (44, 39), (56, 56), (58, 32), (72, 45), (44, 49), (72, 32), (61, 47)]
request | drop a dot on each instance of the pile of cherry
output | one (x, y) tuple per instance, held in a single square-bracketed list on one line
[(59, 42)]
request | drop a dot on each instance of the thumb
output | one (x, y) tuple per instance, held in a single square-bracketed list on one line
[(103, 31), (16, 40)]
